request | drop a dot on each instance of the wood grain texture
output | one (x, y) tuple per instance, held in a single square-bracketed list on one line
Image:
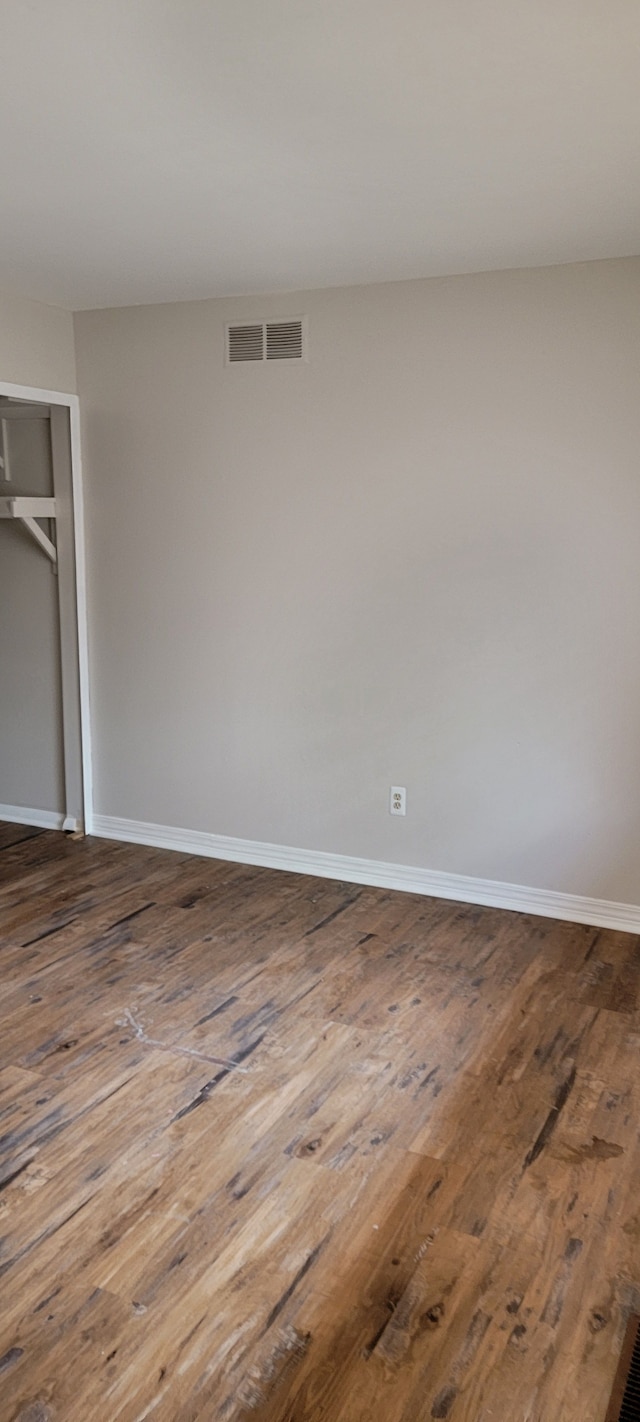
[(275, 1148)]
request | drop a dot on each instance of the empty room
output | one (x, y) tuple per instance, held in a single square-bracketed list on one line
[(320, 731)]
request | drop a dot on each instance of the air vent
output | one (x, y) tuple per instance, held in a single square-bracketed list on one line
[(245, 343), (284, 340), (268, 340), (625, 1398)]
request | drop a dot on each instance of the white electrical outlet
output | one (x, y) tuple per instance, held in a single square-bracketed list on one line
[(397, 800)]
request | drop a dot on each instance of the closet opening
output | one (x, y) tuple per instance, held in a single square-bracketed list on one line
[(45, 764)]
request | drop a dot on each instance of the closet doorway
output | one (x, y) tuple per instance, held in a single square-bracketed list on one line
[(45, 758)]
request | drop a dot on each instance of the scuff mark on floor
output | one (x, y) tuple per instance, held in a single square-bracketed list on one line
[(130, 1021)]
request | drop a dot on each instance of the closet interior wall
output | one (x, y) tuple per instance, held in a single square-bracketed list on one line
[(31, 726)]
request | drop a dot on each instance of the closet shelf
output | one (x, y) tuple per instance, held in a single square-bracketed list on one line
[(27, 509), (26, 506)]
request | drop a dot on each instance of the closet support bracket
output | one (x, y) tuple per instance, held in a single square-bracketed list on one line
[(41, 538), (27, 510)]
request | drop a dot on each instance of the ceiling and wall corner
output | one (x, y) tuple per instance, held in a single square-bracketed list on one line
[(414, 558)]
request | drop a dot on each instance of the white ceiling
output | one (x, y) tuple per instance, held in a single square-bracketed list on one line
[(155, 150)]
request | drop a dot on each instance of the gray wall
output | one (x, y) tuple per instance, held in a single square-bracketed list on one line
[(36, 345), (415, 560)]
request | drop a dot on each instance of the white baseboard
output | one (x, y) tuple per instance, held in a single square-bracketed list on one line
[(41, 819), (600, 913)]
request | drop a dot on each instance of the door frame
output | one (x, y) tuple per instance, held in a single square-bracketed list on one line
[(76, 646)]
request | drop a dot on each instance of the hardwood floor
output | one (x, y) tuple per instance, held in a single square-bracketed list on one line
[(274, 1148)]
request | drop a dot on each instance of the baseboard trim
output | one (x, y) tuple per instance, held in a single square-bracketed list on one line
[(40, 819), (600, 913)]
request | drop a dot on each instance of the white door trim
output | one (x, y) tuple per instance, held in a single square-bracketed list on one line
[(72, 404)]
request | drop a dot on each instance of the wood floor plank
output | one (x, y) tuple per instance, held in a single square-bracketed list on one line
[(275, 1149)]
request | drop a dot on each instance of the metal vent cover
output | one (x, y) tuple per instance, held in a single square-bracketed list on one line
[(245, 343), (267, 340), (625, 1398)]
